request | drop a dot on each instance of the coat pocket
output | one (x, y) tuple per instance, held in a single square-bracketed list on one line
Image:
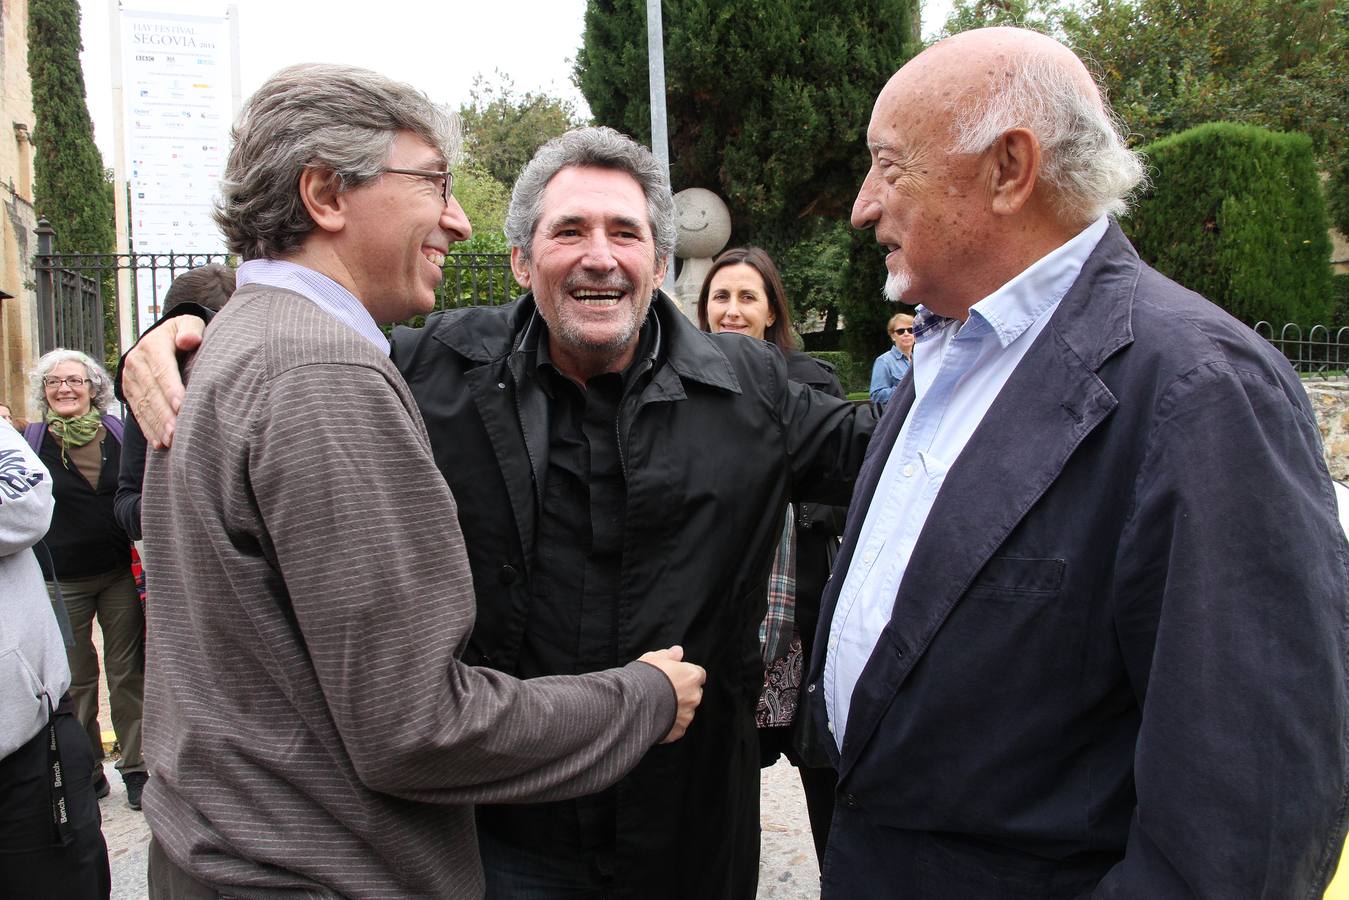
[(1016, 578)]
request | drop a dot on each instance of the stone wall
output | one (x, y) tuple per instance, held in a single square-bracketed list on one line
[(1330, 399), (18, 315)]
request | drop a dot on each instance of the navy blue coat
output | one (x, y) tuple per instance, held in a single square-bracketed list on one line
[(1117, 659)]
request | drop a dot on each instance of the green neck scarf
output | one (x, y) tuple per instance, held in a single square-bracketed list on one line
[(74, 432)]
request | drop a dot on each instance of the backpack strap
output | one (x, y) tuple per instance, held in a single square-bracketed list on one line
[(44, 558), (32, 433), (114, 426)]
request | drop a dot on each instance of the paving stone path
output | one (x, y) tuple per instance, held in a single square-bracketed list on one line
[(787, 869)]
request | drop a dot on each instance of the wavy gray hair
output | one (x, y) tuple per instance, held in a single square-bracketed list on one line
[(603, 148), (341, 119), (1084, 156), (100, 382)]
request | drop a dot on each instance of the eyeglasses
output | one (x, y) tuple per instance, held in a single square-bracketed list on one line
[(74, 381), (444, 181), (902, 331)]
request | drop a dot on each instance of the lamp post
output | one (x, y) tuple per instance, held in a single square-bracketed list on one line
[(660, 141)]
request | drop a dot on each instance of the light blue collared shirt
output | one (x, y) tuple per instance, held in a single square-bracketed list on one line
[(319, 289), (887, 372), (958, 371)]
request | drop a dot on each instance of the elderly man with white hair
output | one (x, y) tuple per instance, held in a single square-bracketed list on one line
[(1086, 633)]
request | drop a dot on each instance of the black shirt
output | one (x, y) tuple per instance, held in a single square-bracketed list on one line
[(572, 626)]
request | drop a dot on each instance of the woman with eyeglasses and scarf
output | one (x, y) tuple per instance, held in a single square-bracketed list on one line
[(88, 563)]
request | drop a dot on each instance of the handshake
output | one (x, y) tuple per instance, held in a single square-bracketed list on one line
[(686, 679)]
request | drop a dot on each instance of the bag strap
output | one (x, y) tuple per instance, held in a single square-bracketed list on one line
[(44, 558), (114, 426), (56, 776), (32, 433)]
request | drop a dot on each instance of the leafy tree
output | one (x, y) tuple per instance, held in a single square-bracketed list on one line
[(72, 189), (1046, 16), (768, 103), (1168, 65), (1337, 192), (485, 201), (504, 128)]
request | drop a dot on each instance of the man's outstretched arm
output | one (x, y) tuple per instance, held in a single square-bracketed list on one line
[(149, 379), (355, 481)]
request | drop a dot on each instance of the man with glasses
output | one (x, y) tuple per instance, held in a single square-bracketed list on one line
[(311, 728), (892, 365)]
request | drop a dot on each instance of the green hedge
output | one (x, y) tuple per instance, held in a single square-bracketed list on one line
[(1236, 213), (1339, 313), (852, 374)]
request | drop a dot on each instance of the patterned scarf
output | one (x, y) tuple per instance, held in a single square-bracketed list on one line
[(781, 644), (74, 432), (775, 631)]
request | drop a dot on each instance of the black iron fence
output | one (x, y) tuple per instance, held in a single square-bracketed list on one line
[(476, 279), (1317, 351), (78, 293)]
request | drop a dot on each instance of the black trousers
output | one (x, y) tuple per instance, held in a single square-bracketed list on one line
[(39, 859)]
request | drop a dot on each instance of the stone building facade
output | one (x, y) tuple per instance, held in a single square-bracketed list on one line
[(18, 219)]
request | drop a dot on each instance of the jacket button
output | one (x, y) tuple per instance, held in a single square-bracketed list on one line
[(507, 575), (811, 689)]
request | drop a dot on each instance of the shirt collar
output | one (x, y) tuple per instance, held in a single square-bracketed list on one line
[(1014, 307), (322, 291), (535, 339)]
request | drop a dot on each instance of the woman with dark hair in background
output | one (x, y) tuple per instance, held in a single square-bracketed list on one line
[(209, 287), (743, 293)]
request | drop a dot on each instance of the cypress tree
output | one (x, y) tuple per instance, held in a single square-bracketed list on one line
[(71, 190), (768, 103)]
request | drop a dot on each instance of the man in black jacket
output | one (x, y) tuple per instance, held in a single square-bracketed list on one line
[(621, 479)]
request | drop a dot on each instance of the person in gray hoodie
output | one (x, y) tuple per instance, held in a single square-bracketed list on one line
[(51, 838)]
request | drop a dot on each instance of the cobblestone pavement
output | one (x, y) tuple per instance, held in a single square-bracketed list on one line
[(787, 866), (787, 869), (128, 840)]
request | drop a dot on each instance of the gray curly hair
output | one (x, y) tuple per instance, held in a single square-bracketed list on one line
[(1084, 156), (340, 119), (100, 382), (603, 148)]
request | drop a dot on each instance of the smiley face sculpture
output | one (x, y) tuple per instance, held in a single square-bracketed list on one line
[(703, 226)]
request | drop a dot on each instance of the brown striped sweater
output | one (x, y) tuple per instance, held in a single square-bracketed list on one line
[(308, 726)]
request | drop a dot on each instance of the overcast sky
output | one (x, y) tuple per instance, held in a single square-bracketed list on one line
[(437, 47)]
